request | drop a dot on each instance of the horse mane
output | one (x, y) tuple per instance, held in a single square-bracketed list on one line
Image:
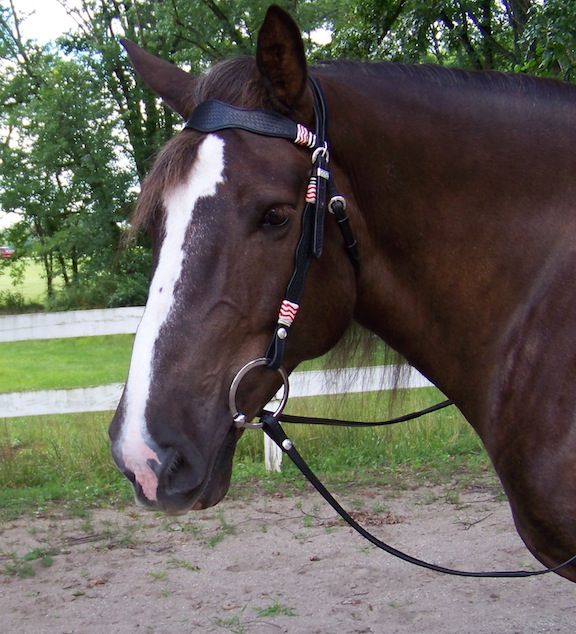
[(448, 77)]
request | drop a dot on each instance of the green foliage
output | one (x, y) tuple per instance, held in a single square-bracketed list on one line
[(521, 35), (12, 303), (64, 459), (23, 567), (60, 167), (132, 278), (550, 40), (443, 439), (79, 130), (275, 609)]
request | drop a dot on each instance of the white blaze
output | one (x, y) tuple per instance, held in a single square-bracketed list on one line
[(205, 175)]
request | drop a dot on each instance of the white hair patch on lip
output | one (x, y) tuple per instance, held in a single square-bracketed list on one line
[(205, 176)]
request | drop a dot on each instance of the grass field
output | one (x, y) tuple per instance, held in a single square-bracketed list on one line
[(64, 363), (33, 285)]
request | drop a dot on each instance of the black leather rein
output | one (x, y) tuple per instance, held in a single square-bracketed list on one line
[(273, 429)]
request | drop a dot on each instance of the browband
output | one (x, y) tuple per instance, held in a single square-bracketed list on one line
[(214, 115)]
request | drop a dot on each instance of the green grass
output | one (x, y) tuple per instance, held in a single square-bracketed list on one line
[(32, 285), (64, 363), (63, 462), (442, 439), (85, 362)]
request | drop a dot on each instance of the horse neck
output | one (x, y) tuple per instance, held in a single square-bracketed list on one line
[(448, 187)]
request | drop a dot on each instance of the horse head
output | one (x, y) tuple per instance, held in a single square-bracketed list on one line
[(224, 210)]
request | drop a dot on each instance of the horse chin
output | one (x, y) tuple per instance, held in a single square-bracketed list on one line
[(219, 478)]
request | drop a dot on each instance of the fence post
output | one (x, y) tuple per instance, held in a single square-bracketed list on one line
[(272, 456), (272, 453)]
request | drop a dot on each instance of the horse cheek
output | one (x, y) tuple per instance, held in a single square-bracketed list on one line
[(327, 315)]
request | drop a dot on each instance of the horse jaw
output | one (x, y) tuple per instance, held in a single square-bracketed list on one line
[(220, 475)]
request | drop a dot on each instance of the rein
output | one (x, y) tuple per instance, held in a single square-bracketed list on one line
[(321, 195), (335, 422), (274, 431)]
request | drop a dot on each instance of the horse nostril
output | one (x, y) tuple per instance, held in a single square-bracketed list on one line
[(180, 476), (154, 465)]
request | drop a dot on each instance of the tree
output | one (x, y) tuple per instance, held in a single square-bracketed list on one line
[(549, 40), (79, 130), (59, 164), (509, 35)]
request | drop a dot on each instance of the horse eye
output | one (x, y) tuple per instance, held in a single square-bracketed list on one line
[(274, 218)]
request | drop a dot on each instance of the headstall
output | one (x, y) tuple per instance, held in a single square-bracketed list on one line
[(211, 116)]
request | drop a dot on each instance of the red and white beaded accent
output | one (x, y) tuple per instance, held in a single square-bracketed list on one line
[(311, 190), (288, 312), (305, 137)]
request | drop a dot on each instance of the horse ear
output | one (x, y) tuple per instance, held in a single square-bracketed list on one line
[(168, 81), (282, 62)]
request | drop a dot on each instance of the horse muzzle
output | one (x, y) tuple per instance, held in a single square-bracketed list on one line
[(177, 479)]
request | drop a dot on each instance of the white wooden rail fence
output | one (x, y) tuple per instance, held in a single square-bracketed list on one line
[(114, 321)]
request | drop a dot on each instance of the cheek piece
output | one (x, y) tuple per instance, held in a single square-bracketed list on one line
[(211, 116)]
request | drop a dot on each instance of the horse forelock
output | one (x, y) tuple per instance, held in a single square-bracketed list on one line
[(235, 81), (171, 167)]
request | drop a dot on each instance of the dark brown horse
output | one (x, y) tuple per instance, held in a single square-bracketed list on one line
[(461, 191)]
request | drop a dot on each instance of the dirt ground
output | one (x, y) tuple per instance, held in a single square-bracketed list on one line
[(278, 564)]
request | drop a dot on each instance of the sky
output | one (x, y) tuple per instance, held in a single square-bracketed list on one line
[(47, 19)]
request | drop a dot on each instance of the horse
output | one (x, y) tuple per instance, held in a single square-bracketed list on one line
[(461, 193)]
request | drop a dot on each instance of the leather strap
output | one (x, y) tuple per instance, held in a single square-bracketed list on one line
[(214, 115), (273, 429)]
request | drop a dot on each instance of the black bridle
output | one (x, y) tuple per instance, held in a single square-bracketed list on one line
[(321, 195)]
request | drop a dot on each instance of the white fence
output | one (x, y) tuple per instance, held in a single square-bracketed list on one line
[(113, 321), (86, 323), (78, 323)]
